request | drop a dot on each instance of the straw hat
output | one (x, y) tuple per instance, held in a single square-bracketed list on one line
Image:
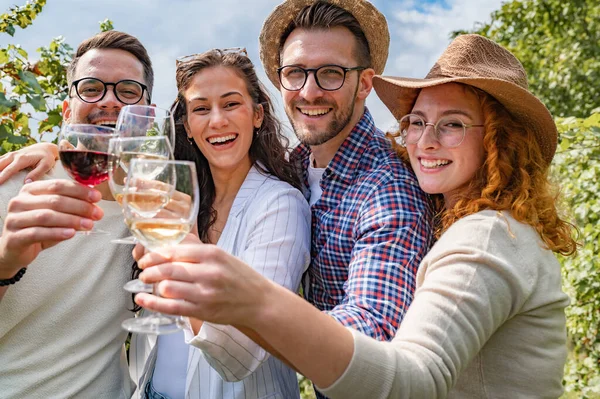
[(479, 62), (372, 22)]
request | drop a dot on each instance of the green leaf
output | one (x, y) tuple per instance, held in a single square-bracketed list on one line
[(6, 105), (37, 102), (3, 56), (4, 131), (17, 139), (30, 79)]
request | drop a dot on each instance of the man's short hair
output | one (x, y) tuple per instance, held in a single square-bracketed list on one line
[(324, 15), (113, 39)]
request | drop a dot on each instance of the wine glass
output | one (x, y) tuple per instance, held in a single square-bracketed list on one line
[(122, 150), (145, 120), (160, 204), (83, 152)]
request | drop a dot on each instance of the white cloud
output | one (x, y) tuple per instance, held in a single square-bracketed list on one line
[(179, 27)]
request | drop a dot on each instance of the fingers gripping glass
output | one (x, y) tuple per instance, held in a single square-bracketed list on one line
[(449, 131), (92, 90), (327, 77)]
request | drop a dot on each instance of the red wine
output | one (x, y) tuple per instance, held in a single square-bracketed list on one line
[(86, 167)]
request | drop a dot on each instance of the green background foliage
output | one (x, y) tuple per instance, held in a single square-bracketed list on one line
[(577, 168), (30, 92), (558, 43)]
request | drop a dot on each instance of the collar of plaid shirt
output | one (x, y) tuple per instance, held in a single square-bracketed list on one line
[(347, 156)]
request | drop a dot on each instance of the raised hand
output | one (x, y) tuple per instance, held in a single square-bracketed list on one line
[(41, 157), (202, 281), (43, 214)]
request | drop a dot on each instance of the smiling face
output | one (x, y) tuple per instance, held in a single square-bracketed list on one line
[(317, 115), (443, 170), (110, 66), (221, 117)]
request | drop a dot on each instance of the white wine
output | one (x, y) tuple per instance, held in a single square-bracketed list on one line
[(156, 233), (146, 203), (125, 158), (119, 198)]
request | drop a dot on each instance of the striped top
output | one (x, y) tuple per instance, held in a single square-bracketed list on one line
[(268, 228)]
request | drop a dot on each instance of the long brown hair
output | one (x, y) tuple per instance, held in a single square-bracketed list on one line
[(268, 151), (514, 178)]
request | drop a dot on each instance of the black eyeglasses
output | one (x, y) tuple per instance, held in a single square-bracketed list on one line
[(92, 90), (328, 77)]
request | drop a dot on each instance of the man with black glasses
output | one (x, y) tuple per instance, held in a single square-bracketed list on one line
[(371, 223), (62, 305)]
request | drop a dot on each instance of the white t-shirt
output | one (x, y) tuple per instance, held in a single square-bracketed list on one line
[(314, 182)]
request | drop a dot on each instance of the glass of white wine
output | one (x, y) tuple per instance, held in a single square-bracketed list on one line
[(160, 203), (145, 120), (122, 150)]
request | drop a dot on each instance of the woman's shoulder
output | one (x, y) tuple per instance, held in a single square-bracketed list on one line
[(499, 236), (265, 190), (496, 224)]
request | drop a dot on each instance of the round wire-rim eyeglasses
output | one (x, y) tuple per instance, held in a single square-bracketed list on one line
[(449, 131)]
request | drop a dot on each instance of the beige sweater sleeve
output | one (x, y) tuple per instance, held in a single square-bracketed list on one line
[(471, 282)]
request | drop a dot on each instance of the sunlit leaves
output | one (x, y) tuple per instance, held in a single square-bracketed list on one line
[(558, 43), (577, 168), (20, 16), (30, 92)]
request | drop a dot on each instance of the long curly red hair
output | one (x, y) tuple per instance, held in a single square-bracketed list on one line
[(514, 178)]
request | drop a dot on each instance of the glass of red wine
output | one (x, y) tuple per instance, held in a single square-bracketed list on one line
[(83, 152)]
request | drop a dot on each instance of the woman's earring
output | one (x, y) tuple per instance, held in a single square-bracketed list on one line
[(190, 140)]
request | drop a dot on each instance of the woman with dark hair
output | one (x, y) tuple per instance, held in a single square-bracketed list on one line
[(251, 207), (488, 318)]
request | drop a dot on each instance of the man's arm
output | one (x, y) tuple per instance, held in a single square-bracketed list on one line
[(393, 233)]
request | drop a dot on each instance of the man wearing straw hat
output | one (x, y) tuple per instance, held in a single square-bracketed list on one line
[(371, 222)]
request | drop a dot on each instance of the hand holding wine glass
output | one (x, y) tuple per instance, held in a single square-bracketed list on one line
[(160, 204)]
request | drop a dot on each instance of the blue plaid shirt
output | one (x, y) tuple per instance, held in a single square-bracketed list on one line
[(370, 229)]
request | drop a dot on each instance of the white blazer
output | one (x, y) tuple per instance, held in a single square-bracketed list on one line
[(268, 228)]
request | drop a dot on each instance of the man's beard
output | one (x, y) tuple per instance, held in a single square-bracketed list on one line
[(341, 119)]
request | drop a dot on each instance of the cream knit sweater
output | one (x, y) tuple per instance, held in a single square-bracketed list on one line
[(60, 326), (487, 321)]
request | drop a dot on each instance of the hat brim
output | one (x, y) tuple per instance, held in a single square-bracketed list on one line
[(399, 96), (372, 22)]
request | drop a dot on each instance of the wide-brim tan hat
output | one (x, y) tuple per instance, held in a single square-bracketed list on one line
[(479, 62), (372, 22)]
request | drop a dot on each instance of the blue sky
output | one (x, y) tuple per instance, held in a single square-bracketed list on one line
[(419, 31)]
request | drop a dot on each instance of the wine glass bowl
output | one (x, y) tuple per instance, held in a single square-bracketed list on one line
[(83, 151), (160, 209), (145, 120), (123, 150)]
